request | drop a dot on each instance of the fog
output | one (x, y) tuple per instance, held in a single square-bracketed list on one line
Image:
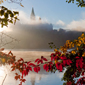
[(37, 35)]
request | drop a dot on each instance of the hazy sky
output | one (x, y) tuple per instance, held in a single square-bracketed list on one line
[(54, 14), (57, 12)]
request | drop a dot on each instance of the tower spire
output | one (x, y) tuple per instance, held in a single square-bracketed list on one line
[(32, 14)]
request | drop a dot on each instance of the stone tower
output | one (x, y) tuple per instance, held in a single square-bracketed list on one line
[(32, 16)]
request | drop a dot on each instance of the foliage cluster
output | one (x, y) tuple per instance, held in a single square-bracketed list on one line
[(12, 1), (7, 16), (80, 3)]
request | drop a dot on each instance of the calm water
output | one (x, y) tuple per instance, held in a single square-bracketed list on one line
[(41, 78)]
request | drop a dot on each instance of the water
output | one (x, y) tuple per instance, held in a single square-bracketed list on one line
[(41, 78)]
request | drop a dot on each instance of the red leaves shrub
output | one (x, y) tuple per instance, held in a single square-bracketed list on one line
[(40, 60), (61, 61), (81, 81), (65, 61), (36, 69), (79, 62), (48, 66), (73, 60), (69, 83), (59, 66)]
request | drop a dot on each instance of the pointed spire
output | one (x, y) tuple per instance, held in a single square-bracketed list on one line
[(32, 14)]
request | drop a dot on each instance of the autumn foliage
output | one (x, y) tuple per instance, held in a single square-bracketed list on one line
[(73, 61)]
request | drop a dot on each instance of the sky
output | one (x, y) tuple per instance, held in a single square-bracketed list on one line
[(67, 19), (58, 12)]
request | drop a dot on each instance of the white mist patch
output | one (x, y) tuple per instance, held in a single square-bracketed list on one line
[(76, 25), (26, 22), (61, 23), (25, 19)]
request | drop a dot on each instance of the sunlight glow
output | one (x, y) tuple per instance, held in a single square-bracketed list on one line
[(2, 29), (2, 71)]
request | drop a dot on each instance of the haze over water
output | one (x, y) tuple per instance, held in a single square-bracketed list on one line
[(42, 78)]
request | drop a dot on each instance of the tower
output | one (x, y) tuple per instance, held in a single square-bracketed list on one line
[(32, 16)]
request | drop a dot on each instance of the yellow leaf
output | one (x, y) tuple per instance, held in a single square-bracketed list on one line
[(21, 5), (3, 60), (56, 61), (83, 54), (73, 52), (55, 50), (82, 35)]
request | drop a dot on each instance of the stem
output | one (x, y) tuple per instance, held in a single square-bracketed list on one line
[(4, 79)]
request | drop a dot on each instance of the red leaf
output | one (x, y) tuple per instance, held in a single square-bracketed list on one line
[(13, 69), (9, 52), (29, 68), (83, 73), (37, 60), (21, 59), (24, 72), (24, 65), (36, 69), (44, 59), (17, 77), (46, 67), (69, 83), (40, 61), (23, 80), (32, 64), (63, 58), (59, 66), (16, 73), (1, 49), (52, 58), (28, 62)]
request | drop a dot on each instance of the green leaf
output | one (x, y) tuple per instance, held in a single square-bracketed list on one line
[(6, 15), (72, 1), (2, 12), (9, 12), (11, 15), (16, 12), (11, 21)]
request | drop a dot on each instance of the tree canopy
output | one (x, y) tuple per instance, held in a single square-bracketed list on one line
[(12, 1), (80, 3), (7, 16)]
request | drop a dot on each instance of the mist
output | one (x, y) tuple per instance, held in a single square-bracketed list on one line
[(38, 35)]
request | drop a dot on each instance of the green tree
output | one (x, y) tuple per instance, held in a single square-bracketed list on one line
[(7, 16), (12, 1), (80, 3)]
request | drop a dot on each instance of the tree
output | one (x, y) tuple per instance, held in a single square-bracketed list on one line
[(13, 1), (79, 2), (7, 16)]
